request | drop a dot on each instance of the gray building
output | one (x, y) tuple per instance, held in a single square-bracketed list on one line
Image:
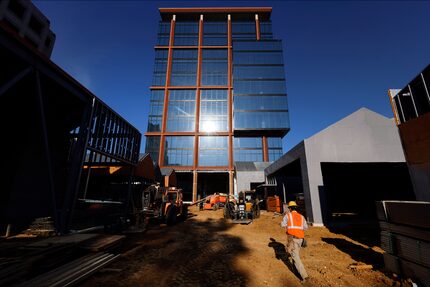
[(26, 21), (249, 175), (344, 168)]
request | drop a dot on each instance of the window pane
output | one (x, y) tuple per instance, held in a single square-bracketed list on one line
[(181, 110), (215, 34), (260, 103), (213, 151), (186, 34), (163, 33), (160, 67), (259, 87), (184, 67), (152, 147), (179, 151), (261, 120), (214, 67), (248, 149), (213, 110), (156, 110)]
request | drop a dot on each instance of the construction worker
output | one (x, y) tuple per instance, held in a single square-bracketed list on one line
[(295, 225)]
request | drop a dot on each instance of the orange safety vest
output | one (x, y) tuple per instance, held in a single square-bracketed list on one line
[(295, 224)]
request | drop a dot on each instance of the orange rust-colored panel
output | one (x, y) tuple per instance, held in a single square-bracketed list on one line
[(230, 97), (257, 29), (265, 149), (166, 91), (198, 82), (415, 135), (216, 10)]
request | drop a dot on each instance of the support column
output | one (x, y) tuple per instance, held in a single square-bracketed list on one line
[(166, 90), (393, 107), (230, 94), (198, 83), (265, 149), (231, 182), (195, 185), (257, 27)]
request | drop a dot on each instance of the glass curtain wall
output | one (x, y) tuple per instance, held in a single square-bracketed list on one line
[(163, 34), (275, 148), (181, 111), (152, 147), (186, 34), (160, 67), (213, 110), (179, 151), (248, 149), (156, 110), (213, 151), (260, 100), (184, 67), (214, 34), (214, 67)]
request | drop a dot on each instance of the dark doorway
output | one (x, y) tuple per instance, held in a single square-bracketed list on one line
[(351, 189), (185, 181), (210, 183)]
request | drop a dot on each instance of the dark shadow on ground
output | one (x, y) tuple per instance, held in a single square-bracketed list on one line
[(282, 254), (358, 252), (367, 233), (190, 253)]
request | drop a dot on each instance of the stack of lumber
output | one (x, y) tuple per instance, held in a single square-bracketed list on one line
[(405, 238)]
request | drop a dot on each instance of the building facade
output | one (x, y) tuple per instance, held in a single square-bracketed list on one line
[(411, 107), (342, 170), (218, 95), (23, 18)]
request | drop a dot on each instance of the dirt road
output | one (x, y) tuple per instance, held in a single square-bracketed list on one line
[(206, 250)]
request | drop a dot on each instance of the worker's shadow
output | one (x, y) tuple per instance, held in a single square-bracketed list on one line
[(282, 254)]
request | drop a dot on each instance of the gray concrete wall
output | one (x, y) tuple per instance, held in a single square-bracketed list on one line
[(244, 179), (363, 136)]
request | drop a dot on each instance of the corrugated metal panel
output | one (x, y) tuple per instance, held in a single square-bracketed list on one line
[(412, 213)]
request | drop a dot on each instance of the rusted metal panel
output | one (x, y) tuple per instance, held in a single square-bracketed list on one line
[(415, 135)]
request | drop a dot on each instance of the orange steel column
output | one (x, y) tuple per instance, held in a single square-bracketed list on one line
[(198, 83), (265, 149), (197, 124), (396, 116), (257, 27), (166, 90), (230, 106)]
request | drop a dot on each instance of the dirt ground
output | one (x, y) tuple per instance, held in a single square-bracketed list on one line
[(207, 250)]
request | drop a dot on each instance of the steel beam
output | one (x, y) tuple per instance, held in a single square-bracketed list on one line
[(20, 76)]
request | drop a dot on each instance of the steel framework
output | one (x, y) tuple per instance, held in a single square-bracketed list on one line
[(53, 126)]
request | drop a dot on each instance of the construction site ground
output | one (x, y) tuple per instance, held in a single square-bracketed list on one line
[(207, 250)]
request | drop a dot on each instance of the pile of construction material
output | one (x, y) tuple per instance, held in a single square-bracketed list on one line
[(55, 261), (405, 238)]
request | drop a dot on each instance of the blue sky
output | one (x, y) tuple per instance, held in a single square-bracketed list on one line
[(339, 55)]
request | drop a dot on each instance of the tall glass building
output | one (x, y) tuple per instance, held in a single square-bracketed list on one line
[(218, 95)]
